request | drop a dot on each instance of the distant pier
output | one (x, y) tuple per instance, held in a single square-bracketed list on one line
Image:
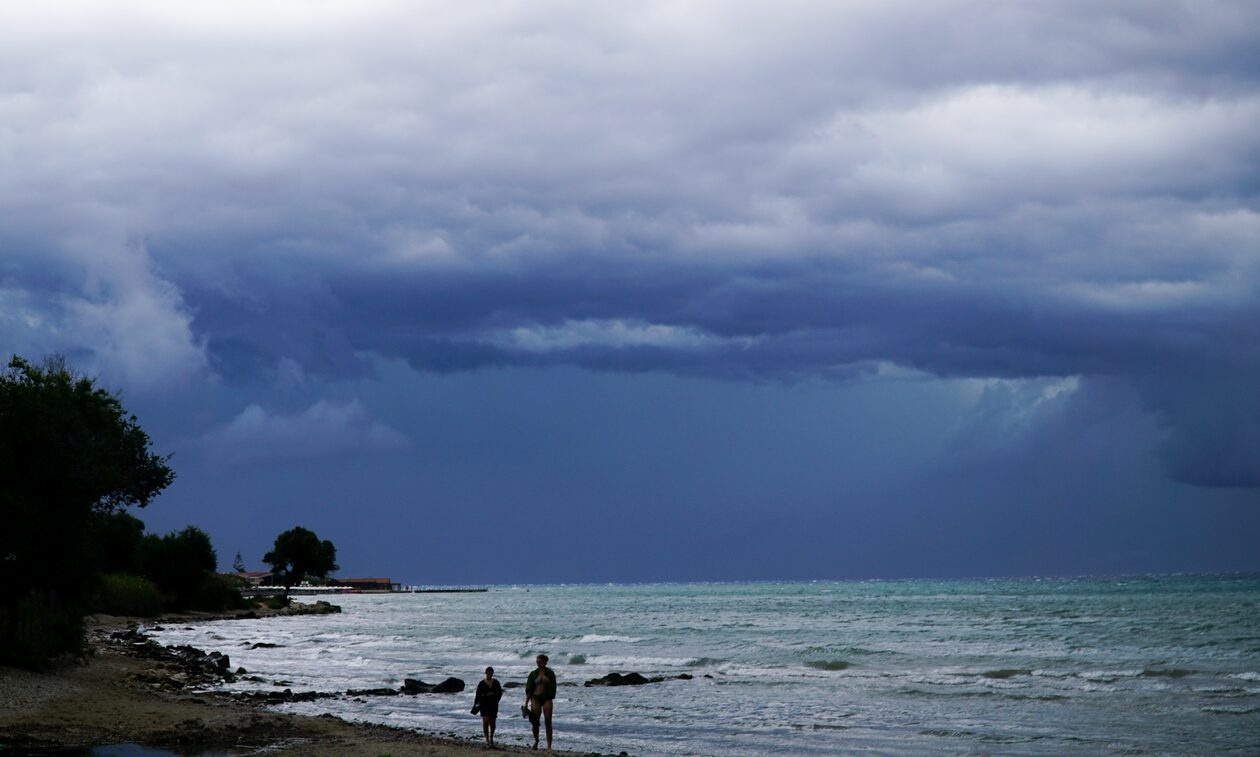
[(301, 591)]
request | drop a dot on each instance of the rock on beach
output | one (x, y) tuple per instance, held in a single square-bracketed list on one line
[(416, 686), (633, 679)]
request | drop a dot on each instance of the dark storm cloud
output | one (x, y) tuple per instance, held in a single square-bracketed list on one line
[(816, 190)]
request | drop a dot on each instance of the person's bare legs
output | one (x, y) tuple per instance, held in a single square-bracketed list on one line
[(546, 708), (534, 708), (487, 730)]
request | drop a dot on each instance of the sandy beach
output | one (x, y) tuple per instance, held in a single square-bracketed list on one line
[(120, 696)]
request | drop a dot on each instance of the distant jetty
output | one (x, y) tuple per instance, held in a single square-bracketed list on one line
[(261, 583), (302, 590), (445, 590)]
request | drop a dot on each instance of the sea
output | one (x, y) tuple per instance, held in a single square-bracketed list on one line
[(1088, 665)]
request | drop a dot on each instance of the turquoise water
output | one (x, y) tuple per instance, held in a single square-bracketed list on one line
[(1150, 665)]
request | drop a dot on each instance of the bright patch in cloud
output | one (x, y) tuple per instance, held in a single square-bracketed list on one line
[(1009, 407), (1145, 295), (325, 428), (614, 334)]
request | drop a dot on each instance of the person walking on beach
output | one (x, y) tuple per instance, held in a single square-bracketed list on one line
[(486, 702), (540, 691)]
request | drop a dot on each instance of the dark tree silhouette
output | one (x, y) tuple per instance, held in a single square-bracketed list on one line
[(179, 563), (298, 554), (116, 540), (69, 451)]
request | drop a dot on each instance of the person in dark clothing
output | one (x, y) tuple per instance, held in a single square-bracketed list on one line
[(487, 703), (540, 690)]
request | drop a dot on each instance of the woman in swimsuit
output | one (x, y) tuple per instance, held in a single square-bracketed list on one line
[(540, 691)]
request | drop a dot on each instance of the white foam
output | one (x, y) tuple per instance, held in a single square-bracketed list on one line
[(1241, 710), (640, 664), (1225, 690), (943, 680), (1108, 675)]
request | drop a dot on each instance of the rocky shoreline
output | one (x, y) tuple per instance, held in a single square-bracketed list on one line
[(130, 689)]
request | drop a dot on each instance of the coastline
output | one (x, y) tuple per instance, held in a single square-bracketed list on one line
[(125, 693)]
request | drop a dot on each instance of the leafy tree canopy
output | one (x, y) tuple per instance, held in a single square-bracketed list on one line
[(177, 562), (70, 454), (298, 553), (68, 451), (70, 445), (116, 539)]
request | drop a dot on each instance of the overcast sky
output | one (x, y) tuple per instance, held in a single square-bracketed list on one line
[(591, 291)]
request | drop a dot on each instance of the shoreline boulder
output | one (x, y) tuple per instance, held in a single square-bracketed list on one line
[(633, 679), (372, 692), (416, 686)]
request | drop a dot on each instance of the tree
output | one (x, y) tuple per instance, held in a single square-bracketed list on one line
[(178, 563), (176, 571), (297, 554), (115, 541), (238, 564), (69, 451)]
